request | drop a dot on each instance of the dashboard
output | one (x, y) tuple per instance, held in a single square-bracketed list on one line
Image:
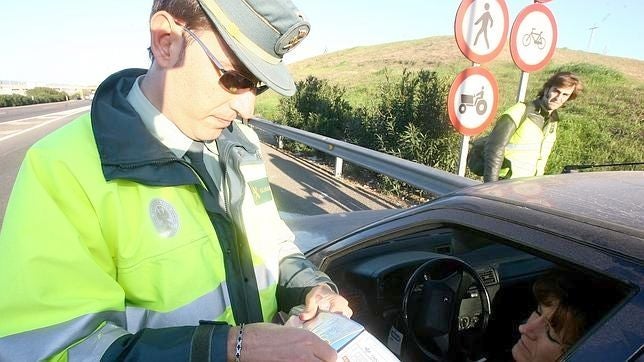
[(374, 280), (383, 280)]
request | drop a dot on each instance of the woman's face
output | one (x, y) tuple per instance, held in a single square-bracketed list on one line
[(539, 341)]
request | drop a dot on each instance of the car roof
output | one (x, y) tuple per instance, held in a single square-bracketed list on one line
[(610, 204), (606, 199)]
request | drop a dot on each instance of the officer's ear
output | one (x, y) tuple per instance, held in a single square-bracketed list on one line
[(166, 40)]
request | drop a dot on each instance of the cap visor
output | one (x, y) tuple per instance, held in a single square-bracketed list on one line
[(276, 76)]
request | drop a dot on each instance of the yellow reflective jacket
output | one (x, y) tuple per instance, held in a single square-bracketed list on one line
[(529, 146), (106, 245), (520, 143)]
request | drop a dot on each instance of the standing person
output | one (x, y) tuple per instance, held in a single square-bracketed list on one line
[(147, 230), (523, 137)]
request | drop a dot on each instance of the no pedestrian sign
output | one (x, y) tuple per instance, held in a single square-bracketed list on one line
[(472, 100), (481, 29), (533, 38)]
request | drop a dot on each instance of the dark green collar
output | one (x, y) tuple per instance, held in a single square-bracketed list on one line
[(126, 148)]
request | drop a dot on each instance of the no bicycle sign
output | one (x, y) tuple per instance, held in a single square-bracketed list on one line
[(533, 38)]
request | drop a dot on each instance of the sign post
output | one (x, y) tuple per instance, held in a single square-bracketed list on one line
[(480, 29), (532, 42)]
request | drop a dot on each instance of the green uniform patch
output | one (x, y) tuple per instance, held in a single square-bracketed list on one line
[(261, 191)]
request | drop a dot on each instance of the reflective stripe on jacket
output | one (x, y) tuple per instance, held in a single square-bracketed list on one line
[(529, 146)]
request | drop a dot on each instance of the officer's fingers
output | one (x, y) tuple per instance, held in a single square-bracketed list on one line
[(340, 305), (310, 310), (347, 312)]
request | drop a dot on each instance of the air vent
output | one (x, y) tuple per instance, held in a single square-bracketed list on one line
[(443, 249), (488, 276)]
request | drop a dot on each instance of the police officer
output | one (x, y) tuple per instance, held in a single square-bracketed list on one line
[(147, 229), (523, 137)]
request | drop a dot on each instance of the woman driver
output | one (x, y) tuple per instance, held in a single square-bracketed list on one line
[(558, 321)]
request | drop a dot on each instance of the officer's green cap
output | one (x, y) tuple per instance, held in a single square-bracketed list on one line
[(260, 32)]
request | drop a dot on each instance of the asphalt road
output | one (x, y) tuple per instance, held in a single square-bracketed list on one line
[(300, 187), (303, 187), (8, 114)]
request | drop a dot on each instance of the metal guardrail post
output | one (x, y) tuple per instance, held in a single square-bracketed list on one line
[(432, 180), (338, 167)]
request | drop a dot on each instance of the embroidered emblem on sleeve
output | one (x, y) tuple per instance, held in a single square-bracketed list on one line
[(261, 190)]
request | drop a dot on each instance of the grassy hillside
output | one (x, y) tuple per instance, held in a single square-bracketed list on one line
[(605, 124)]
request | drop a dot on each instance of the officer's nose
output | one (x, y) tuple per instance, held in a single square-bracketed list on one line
[(244, 104)]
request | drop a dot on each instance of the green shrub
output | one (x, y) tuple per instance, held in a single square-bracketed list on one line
[(15, 100), (34, 96), (406, 118), (317, 107), (46, 95)]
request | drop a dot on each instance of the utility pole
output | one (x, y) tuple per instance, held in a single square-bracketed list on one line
[(590, 39)]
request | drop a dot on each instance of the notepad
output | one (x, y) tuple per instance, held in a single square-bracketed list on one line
[(348, 337)]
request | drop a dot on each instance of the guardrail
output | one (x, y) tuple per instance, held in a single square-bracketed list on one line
[(432, 180)]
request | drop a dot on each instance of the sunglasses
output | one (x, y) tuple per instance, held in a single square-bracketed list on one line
[(231, 80)]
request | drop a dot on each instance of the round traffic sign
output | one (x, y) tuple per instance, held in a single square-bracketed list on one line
[(481, 28), (533, 37), (472, 100)]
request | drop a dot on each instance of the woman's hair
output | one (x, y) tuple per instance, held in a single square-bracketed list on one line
[(567, 293), (563, 79)]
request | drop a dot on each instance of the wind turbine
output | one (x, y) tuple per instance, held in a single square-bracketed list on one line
[(590, 38)]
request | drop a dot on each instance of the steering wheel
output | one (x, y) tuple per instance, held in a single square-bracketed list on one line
[(430, 316)]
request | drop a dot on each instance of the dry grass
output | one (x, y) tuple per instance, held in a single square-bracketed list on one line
[(352, 65)]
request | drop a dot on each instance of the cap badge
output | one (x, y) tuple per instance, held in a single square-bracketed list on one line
[(291, 38)]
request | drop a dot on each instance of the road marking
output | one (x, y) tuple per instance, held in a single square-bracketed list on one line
[(58, 115), (37, 121)]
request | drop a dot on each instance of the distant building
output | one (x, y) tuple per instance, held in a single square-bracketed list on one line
[(11, 87)]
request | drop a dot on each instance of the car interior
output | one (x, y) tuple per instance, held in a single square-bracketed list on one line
[(450, 293)]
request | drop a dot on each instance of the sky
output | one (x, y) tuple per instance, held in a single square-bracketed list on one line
[(82, 42)]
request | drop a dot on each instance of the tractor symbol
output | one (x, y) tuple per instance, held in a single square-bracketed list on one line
[(474, 100)]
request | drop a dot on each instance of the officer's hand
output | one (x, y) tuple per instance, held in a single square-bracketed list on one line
[(323, 298), (272, 342)]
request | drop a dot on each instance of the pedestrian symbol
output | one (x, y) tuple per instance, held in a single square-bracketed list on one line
[(484, 20), (481, 28)]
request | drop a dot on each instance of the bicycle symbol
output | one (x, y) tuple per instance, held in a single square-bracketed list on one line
[(536, 38), (473, 100)]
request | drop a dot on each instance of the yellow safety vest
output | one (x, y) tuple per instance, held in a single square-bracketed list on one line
[(85, 260), (529, 146)]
